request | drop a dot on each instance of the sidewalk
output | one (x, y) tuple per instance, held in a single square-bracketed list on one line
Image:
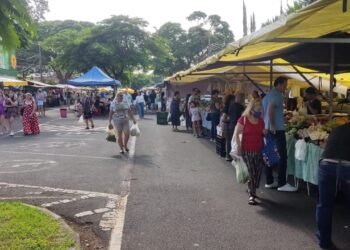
[(184, 196)]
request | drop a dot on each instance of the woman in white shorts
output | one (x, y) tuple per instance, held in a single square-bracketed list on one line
[(120, 112), (40, 102)]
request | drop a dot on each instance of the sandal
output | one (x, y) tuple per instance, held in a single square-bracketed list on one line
[(252, 201), (127, 150)]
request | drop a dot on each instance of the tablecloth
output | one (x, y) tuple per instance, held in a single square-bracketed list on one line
[(306, 170)]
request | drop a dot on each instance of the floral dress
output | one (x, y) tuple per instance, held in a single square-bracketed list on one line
[(30, 123)]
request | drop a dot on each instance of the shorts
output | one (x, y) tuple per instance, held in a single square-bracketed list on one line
[(87, 115), (40, 103), (10, 112), (122, 125)]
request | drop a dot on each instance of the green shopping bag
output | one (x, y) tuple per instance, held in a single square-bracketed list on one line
[(242, 174)]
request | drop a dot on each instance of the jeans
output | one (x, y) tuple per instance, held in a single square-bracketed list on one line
[(141, 109), (328, 176), (280, 137), (215, 120)]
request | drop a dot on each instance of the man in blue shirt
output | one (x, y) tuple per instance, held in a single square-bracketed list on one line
[(274, 123)]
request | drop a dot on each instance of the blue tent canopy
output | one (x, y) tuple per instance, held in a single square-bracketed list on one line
[(94, 77)]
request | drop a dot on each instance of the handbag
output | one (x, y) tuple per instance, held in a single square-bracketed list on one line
[(208, 118), (270, 152)]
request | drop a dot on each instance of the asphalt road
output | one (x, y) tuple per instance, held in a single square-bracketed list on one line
[(171, 192)]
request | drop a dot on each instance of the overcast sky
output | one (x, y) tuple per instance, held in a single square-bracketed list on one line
[(158, 12)]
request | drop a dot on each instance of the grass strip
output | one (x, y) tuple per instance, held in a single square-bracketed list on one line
[(24, 227)]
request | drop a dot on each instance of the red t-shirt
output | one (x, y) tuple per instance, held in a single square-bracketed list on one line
[(252, 138)]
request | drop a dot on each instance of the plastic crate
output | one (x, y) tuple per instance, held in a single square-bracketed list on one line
[(221, 146), (162, 118)]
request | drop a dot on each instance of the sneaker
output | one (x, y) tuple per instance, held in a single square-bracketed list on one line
[(287, 188), (12, 133), (272, 185)]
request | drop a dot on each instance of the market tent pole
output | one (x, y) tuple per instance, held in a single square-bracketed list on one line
[(254, 83), (271, 76), (331, 82), (308, 82)]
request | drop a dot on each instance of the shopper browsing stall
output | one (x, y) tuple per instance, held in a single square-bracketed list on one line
[(274, 123), (214, 113), (232, 112), (334, 169), (311, 104), (175, 111)]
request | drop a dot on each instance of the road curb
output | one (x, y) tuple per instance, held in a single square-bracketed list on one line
[(75, 236)]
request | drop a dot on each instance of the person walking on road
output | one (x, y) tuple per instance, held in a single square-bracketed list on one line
[(40, 103), (120, 112), (2, 112), (175, 111), (251, 126), (334, 169), (11, 105), (87, 106), (274, 123), (140, 105), (30, 119), (196, 119)]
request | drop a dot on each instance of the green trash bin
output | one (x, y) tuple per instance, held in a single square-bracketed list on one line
[(162, 118)]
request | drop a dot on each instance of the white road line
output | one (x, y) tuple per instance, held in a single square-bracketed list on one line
[(117, 231), (101, 210), (61, 190), (84, 214), (63, 155)]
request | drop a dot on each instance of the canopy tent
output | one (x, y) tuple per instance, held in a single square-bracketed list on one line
[(37, 84), (130, 91), (94, 77), (7, 82), (298, 38), (313, 41)]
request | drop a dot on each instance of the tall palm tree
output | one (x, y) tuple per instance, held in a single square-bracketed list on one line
[(16, 24)]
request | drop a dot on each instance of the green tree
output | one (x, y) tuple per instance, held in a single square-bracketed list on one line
[(245, 24), (176, 38), (17, 27), (119, 45), (208, 37), (252, 23), (297, 5)]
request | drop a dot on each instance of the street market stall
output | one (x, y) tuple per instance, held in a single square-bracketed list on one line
[(9, 82), (289, 47)]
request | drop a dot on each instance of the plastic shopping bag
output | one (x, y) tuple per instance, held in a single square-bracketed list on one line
[(110, 135), (135, 130), (242, 173), (300, 150), (81, 119), (234, 147), (270, 152)]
